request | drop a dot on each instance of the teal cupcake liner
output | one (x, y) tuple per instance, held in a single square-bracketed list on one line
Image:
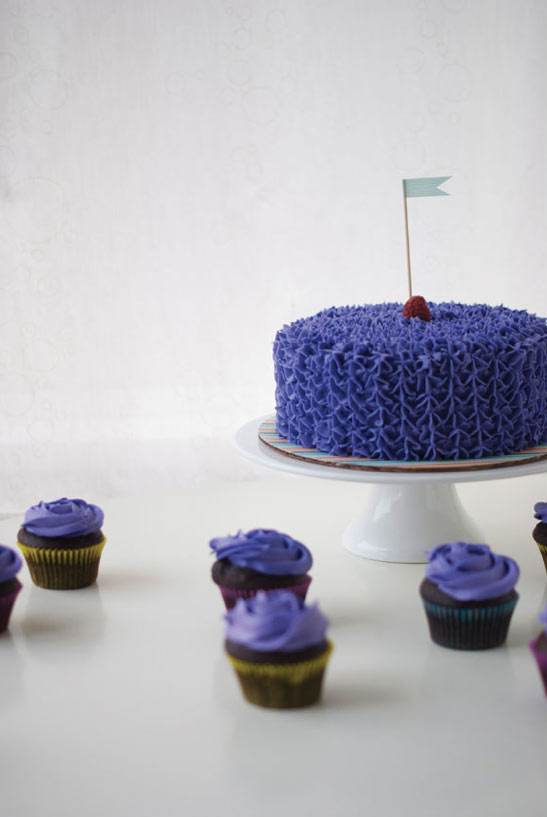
[(470, 628)]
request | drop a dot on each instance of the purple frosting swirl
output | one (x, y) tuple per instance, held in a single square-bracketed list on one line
[(63, 518), (266, 551), (10, 563), (540, 511), (277, 621), (471, 572)]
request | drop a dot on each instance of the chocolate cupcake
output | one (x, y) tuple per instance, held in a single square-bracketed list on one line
[(469, 596), (539, 649), (62, 542), (278, 648), (540, 531), (259, 560), (10, 586)]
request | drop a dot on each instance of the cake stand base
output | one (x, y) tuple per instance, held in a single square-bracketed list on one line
[(407, 513), (401, 521)]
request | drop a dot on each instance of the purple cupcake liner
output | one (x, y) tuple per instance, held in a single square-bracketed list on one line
[(541, 660), (231, 594), (6, 606)]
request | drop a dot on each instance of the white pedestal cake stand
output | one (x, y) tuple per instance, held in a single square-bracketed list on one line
[(406, 513)]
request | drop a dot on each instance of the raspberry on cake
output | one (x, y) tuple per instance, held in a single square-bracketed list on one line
[(416, 307)]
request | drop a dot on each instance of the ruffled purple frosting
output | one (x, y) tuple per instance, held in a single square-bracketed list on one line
[(543, 618), (540, 511), (266, 551), (471, 572), (366, 381), (10, 563), (63, 518), (277, 621)]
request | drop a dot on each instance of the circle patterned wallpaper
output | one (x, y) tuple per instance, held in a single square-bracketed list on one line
[(180, 179)]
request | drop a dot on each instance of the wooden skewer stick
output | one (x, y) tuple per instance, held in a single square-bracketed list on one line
[(409, 276)]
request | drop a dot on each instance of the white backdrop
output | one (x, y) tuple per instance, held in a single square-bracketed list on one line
[(180, 178)]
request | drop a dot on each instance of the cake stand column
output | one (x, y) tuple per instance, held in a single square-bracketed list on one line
[(403, 520)]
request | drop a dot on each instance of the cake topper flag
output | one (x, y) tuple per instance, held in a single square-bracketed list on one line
[(424, 187), (413, 188)]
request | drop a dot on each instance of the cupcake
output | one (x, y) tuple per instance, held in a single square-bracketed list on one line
[(259, 560), (539, 649), (278, 649), (469, 596), (62, 542), (540, 531), (10, 565)]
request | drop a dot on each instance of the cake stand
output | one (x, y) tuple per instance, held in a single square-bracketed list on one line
[(406, 513)]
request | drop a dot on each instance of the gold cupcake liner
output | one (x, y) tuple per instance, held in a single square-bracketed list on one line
[(63, 568), (293, 673), (282, 686), (543, 551)]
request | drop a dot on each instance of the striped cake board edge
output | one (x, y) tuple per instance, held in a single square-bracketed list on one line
[(267, 435)]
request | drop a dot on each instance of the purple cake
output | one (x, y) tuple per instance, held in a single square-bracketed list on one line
[(10, 565), (367, 381), (539, 649), (278, 648), (259, 560), (468, 595)]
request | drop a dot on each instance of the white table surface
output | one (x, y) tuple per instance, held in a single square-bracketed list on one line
[(117, 700)]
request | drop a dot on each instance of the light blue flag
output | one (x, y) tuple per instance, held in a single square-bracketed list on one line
[(424, 187)]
